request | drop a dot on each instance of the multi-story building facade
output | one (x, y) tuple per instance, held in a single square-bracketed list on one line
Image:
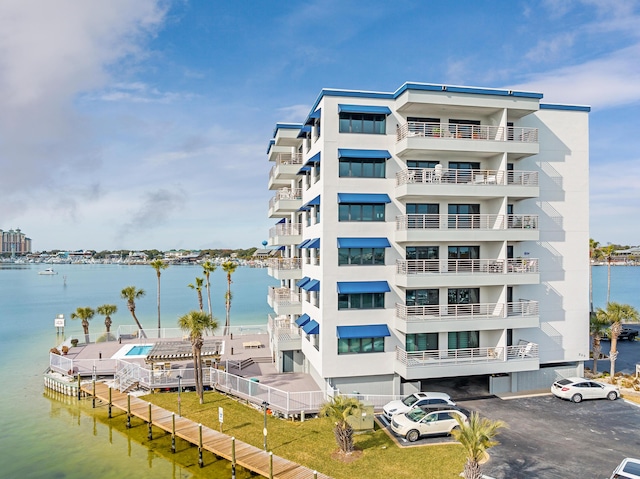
[(432, 232), (14, 242)]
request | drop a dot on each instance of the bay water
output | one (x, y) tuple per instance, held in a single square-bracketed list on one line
[(46, 435)]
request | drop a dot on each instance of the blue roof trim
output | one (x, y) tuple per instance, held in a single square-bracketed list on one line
[(314, 159), (366, 331), (354, 287), (303, 319), (552, 106), (375, 109), (312, 327), (464, 89), (363, 243), (349, 153), (271, 143), (286, 126), (364, 198), (304, 280), (313, 285)]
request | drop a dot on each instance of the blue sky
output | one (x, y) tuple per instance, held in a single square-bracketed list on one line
[(144, 123)]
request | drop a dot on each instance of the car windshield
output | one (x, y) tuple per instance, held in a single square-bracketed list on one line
[(416, 415), (409, 400)]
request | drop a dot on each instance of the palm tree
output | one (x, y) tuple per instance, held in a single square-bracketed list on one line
[(158, 265), (207, 268), (476, 437), (107, 310), (196, 323), (594, 253), (614, 315), (339, 409), (229, 267), (597, 328), (85, 314), (198, 288), (607, 252), (131, 293)]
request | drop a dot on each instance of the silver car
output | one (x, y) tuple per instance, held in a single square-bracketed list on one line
[(427, 421), (416, 400), (577, 389)]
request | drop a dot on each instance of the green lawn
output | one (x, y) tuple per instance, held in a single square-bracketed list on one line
[(311, 443)]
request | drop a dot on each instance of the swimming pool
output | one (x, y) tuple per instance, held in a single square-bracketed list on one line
[(139, 350)]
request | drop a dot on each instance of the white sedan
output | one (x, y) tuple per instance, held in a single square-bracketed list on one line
[(577, 389)]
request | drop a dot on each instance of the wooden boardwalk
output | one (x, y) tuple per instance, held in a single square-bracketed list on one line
[(249, 457)]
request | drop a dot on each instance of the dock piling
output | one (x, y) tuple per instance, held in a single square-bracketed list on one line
[(110, 402), (173, 432), (150, 434), (200, 460), (128, 411), (233, 458)]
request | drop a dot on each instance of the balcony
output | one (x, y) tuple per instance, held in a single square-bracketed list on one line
[(285, 201), (465, 317), (284, 170), (416, 228), (415, 136), (285, 268), (425, 273), (284, 335), (467, 362), (284, 301), (439, 181), (286, 234)]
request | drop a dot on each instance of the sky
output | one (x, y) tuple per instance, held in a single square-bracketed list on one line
[(144, 124)]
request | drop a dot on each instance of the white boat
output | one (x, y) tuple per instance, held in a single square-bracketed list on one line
[(48, 271)]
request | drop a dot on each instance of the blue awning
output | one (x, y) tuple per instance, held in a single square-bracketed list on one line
[(314, 159), (380, 110), (312, 327), (367, 331), (304, 280), (302, 320), (313, 285), (348, 153), (314, 202), (314, 243), (304, 170), (283, 220), (316, 114), (304, 131), (303, 244), (363, 243), (363, 198), (354, 287)]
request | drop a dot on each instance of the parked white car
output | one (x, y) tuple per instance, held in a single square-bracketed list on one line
[(577, 389), (415, 400), (429, 421), (628, 469)]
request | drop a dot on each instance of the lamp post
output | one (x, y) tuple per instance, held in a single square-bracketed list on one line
[(265, 404), (179, 391)]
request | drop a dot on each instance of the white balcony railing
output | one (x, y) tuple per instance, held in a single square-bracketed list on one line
[(465, 222), (284, 264), (285, 159), (286, 194), (466, 266), (469, 132), (285, 229), (455, 176), (525, 350), (283, 296), (447, 312)]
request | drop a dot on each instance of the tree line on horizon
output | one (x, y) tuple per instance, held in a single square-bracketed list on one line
[(152, 254)]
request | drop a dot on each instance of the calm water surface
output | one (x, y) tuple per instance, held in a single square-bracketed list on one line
[(45, 435)]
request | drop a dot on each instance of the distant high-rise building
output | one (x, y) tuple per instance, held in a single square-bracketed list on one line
[(14, 242), (431, 232)]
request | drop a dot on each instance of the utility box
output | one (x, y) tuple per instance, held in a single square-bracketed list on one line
[(364, 421)]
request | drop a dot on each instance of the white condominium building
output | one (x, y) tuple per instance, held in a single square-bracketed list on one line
[(433, 232)]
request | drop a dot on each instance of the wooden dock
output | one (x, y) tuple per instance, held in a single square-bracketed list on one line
[(245, 455)]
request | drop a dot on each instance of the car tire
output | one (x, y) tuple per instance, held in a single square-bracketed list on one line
[(413, 435), (576, 398), (455, 428), (612, 396)]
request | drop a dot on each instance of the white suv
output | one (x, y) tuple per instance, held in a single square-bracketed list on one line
[(628, 469), (427, 421), (416, 400)]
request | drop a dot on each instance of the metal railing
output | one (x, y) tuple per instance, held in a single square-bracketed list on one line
[(455, 176), (465, 266), (449, 312), (449, 356), (284, 263), (283, 159), (286, 194), (285, 229), (465, 222), (469, 132), (283, 295)]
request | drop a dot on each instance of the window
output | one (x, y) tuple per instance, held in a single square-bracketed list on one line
[(363, 123), (360, 345), (464, 340), (464, 258), (421, 342), (463, 301), (464, 216), (464, 128), (431, 212), (464, 176), (360, 212), (362, 168), (317, 213), (361, 301), (361, 256), (422, 297), (421, 164)]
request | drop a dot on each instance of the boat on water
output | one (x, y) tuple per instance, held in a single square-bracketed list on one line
[(48, 271)]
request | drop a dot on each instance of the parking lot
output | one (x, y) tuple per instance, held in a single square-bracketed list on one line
[(549, 438)]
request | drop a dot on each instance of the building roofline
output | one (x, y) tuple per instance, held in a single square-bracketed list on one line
[(557, 106)]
